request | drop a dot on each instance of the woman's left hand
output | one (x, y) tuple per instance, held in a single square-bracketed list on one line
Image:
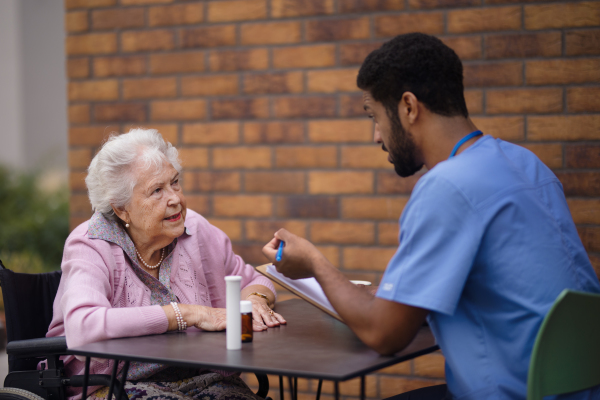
[(262, 315)]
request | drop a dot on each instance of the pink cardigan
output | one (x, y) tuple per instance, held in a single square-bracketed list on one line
[(100, 297)]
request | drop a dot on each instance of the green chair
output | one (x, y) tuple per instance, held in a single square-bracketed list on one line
[(566, 353)]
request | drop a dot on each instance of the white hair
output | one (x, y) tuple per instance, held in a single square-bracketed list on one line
[(112, 174)]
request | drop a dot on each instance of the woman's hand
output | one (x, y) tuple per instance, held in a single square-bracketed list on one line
[(262, 315), (205, 318)]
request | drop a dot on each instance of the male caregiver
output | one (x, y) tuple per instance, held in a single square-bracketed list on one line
[(487, 241)]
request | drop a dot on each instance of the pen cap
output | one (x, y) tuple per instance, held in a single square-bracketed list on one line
[(245, 306)]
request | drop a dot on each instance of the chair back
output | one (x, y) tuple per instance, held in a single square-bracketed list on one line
[(566, 352), (28, 301)]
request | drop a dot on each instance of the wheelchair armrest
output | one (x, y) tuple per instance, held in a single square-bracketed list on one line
[(37, 347)]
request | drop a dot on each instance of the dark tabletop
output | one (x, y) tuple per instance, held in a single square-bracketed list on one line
[(311, 345)]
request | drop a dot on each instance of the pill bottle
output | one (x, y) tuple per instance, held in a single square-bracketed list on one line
[(246, 311)]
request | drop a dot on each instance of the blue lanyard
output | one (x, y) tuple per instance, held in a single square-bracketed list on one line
[(462, 141)]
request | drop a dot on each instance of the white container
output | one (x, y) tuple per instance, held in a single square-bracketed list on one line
[(232, 305)]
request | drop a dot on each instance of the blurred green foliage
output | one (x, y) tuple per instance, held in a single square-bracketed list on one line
[(34, 223)]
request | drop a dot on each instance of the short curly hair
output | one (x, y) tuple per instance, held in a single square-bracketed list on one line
[(416, 63)]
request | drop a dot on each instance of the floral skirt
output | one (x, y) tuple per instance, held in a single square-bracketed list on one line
[(207, 386)]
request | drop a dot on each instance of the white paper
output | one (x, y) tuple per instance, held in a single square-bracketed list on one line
[(308, 287)]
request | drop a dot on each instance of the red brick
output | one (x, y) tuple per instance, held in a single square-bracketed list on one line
[(362, 6), (352, 387), (79, 114), (192, 157), (390, 386), (582, 156), (474, 100), (275, 182), (392, 25), (176, 62), (340, 182), (119, 66), (583, 42), (562, 15), (231, 227), (367, 258), (212, 133), (595, 260), (241, 157), (198, 203), (141, 2), (387, 233), (300, 8), (262, 231), (373, 207), (240, 108), (585, 211), (342, 131), (237, 10), (322, 55), (205, 182), (307, 207), (331, 253), (76, 21), (352, 106), (116, 18), (583, 99), (210, 36), (243, 206), (210, 85), (388, 182), (169, 132), (430, 365), (494, 74), (404, 368), (523, 45), (93, 43), (178, 110), (77, 181), (520, 101), (74, 222), (304, 107), (273, 132), (422, 4), (270, 33), (71, 4), (563, 127), (484, 19), (364, 157), (239, 60), (552, 72), (122, 112), (342, 232), (332, 81), (181, 14), (466, 47), (147, 41), (78, 68), (590, 237), (337, 29), (90, 135), (355, 53), (94, 90), (306, 157), (80, 204), (550, 154), (506, 128), (80, 158), (149, 88), (282, 82), (580, 183)]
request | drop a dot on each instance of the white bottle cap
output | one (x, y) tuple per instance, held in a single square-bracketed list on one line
[(245, 306)]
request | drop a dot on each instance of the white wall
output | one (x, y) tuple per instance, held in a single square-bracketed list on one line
[(33, 103)]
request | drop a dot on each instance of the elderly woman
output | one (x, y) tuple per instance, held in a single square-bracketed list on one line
[(142, 262)]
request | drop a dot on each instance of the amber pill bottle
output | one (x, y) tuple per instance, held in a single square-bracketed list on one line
[(246, 310)]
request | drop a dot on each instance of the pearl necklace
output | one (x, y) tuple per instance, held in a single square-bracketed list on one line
[(162, 255)]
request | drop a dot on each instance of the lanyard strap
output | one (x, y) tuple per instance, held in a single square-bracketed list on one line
[(462, 141)]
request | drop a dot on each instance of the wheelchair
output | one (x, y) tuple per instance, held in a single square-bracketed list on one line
[(27, 295)]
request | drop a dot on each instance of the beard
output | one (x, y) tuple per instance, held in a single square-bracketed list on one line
[(403, 150)]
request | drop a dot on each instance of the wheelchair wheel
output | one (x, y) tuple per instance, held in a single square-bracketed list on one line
[(18, 394)]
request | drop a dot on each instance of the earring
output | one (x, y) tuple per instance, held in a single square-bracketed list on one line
[(126, 225)]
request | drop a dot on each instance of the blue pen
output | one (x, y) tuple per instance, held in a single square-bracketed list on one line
[(279, 251)]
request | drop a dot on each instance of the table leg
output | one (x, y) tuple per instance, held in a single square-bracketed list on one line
[(362, 387), (86, 377), (113, 377), (296, 388), (123, 379), (319, 389), (281, 387), (336, 388), (291, 383)]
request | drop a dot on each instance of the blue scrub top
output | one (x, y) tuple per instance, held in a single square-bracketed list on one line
[(487, 243)]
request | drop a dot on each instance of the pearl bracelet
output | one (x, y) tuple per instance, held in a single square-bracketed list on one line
[(181, 324)]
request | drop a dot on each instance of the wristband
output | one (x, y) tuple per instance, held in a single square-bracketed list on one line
[(264, 296)]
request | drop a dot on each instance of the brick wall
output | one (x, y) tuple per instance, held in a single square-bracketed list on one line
[(260, 98)]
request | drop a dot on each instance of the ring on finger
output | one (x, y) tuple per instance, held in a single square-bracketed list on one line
[(271, 312)]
